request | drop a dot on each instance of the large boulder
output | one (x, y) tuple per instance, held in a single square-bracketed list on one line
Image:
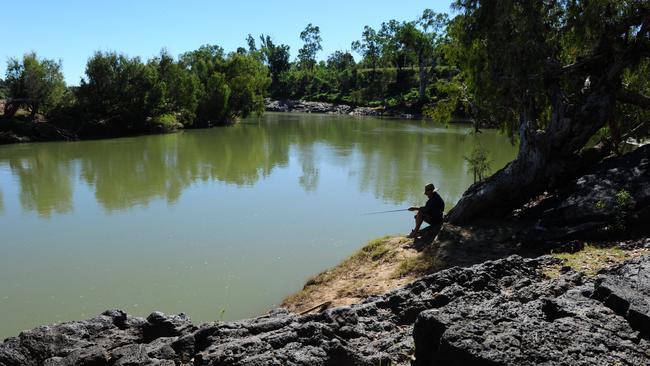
[(566, 321), (111, 336)]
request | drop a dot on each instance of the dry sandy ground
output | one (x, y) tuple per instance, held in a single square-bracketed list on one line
[(357, 278)]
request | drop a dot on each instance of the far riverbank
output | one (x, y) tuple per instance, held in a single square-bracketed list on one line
[(20, 130), (303, 106)]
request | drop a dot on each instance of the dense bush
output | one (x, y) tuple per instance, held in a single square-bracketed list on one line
[(400, 68)]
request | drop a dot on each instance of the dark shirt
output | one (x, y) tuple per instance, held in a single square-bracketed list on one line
[(435, 206)]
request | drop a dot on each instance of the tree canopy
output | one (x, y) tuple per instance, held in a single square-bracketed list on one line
[(312, 39), (203, 87), (36, 83), (556, 74), (276, 58)]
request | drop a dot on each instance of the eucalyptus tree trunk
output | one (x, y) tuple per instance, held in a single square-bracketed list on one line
[(581, 98), (547, 157)]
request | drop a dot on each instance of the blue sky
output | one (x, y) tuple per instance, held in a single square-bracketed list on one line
[(73, 30)]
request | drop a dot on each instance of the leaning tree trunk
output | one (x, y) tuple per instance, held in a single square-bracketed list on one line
[(547, 159)]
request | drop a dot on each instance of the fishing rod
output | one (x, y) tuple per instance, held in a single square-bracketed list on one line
[(381, 212)]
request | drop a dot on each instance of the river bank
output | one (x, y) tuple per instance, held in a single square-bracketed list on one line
[(21, 130)]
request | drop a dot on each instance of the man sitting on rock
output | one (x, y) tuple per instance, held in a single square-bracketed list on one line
[(431, 212)]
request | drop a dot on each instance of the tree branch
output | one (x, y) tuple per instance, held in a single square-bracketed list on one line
[(631, 97)]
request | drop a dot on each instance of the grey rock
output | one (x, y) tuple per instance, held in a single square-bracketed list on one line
[(90, 356), (589, 206), (161, 325), (329, 108), (561, 324), (626, 290)]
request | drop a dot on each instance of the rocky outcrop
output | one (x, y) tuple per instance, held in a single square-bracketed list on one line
[(613, 197), (305, 107), (498, 312), (329, 108), (569, 321)]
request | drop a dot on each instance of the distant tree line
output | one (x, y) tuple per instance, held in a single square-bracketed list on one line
[(122, 95), (400, 67)]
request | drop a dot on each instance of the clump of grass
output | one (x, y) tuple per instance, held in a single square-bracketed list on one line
[(621, 204), (410, 266), (425, 262), (373, 251), (589, 260), (623, 201)]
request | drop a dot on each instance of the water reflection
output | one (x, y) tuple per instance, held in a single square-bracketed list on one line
[(390, 159), (45, 177)]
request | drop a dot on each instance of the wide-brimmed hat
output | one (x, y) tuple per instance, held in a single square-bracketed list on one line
[(429, 188)]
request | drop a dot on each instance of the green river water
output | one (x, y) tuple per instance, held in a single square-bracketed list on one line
[(220, 223)]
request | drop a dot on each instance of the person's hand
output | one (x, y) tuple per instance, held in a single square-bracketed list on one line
[(413, 208)]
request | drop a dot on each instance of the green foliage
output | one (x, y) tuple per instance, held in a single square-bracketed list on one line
[(632, 121), (340, 60), (168, 120), (518, 59), (623, 203), (479, 164), (623, 199), (307, 53), (204, 87), (232, 86), (276, 58), (247, 81), (39, 82), (369, 47), (118, 90), (397, 64), (175, 89)]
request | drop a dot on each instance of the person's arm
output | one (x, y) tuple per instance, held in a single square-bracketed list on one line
[(415, 208)]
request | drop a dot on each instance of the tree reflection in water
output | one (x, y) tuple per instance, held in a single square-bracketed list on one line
[(389, 159)]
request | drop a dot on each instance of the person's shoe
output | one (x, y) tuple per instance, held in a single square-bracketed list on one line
[(413, 234)]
